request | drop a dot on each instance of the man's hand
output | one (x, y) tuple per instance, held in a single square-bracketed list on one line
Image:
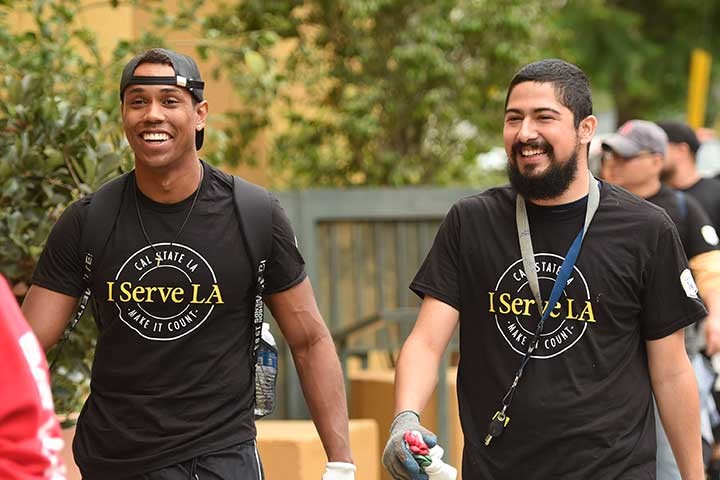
[(712, 334), (339, 471), (397, 457)]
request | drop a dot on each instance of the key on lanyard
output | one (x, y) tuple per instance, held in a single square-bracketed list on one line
[(497, 426)]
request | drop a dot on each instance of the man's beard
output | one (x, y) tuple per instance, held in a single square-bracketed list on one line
[(550, 184)]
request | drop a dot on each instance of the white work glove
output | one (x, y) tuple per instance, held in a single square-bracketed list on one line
[(339, 471)]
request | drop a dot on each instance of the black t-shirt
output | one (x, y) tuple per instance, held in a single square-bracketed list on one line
[(171, 377), (695, 228), (697, 235), (707, 192), (583, 408)]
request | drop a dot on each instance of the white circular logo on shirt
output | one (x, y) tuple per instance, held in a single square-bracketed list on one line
[(166, 299), (709, 234), (516, 313), (688, 283)]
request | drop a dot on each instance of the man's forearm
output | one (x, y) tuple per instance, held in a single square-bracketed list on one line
[(711, 327), (416, 376), (322, 383), (677, 399)]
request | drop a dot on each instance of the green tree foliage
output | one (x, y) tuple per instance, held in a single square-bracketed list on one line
[(638, 50), (56, 144), (242, 40), (398, 92), (383, 92)]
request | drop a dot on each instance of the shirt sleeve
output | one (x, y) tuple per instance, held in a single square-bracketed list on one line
[(438, 275), (286, 266), (670, 296), (60, 267), (30, 439), (701, 236)]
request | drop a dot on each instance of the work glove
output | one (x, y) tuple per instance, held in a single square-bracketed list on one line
[(339, 471), (397, 457)]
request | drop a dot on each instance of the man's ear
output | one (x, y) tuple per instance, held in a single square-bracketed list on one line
[(658, 160), (586, 129), (201, 113)]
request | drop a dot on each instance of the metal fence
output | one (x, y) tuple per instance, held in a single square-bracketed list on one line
[(362, 247)]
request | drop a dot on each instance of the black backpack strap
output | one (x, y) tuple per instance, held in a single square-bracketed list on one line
[(681, 203), (102, 213), (254, 212)]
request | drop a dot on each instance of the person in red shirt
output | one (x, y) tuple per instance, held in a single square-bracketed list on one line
[(30, 438)]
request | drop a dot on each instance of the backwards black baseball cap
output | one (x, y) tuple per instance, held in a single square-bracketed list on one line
[(187, 76), (681, 133)]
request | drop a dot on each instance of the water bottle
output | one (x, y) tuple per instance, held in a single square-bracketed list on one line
[(266, 365)]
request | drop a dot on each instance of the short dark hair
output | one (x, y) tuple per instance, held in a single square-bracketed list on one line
[(571, 85), (154, 55), (679, 132), (157, 56)]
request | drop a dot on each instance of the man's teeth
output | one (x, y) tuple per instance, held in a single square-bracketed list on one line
[(529, 152), (155, 137)]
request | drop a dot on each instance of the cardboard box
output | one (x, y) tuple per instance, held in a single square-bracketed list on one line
[(372, 396), (291, 449)]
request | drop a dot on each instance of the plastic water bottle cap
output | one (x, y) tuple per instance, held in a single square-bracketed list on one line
[(267, 336)]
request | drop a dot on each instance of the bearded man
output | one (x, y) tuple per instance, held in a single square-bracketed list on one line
[(571, 295)]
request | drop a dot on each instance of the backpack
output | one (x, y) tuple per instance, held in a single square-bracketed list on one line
[(254, 213)]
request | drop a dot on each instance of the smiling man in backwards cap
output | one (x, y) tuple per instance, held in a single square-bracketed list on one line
[(172, 393)]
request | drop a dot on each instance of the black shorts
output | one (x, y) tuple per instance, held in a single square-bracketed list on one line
[(240, 462)]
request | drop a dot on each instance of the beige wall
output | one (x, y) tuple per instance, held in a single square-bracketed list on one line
[(110, 24)]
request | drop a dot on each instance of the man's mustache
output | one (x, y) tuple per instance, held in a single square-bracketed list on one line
[(517, 146)]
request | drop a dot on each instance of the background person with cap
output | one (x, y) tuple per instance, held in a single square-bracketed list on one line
[(172, 390), (680, 169), (634, 158)]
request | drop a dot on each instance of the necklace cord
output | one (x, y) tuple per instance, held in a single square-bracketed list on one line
[(182, 226)]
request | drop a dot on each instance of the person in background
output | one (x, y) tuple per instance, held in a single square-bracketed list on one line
[(634, 159), (681, 172), (680, 169), (30, 438)]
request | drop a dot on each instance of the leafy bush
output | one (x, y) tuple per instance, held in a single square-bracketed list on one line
[(59, 140)]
